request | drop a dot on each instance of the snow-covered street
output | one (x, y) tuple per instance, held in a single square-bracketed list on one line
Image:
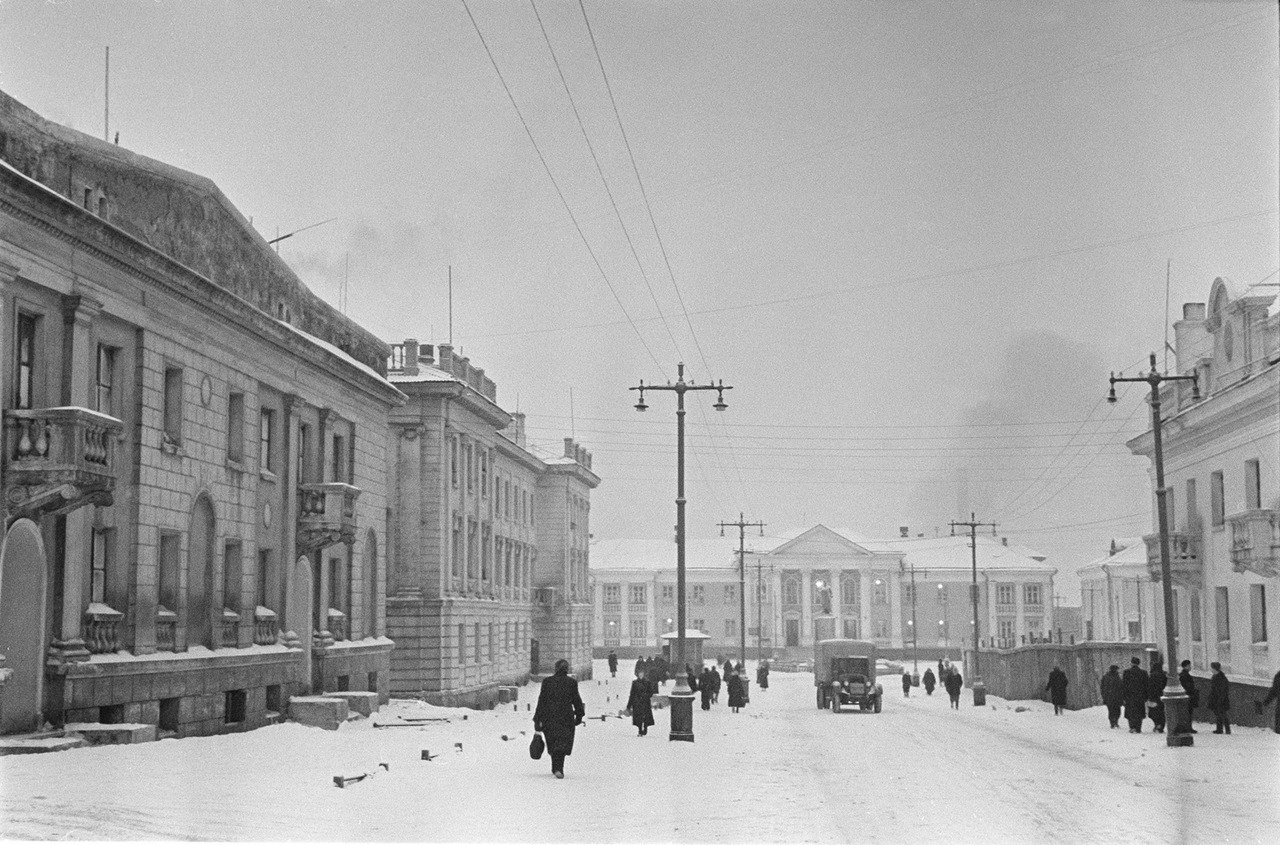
[(780, 770)]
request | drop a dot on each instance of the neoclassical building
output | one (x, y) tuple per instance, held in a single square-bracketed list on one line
[(194, 454), (1222, 470), (489, 556), (1118, 596), (896, 592)]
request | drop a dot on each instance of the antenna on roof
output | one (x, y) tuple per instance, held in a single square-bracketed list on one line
[(572, 433), (1168, 266), (346, 281), (106, 96), (278, 238), (451, 305)]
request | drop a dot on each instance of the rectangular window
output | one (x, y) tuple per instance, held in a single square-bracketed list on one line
[(266, 436), (612, 593), (106, 378), (26, 362), (468, 455), (668, 592), (1004, 628), (1222, 610), (1004, 594), (1193, 507), (879, 592), (1035, 624), (231, 569), (698, 625), (103, 543), (942, 595), (1252, 485), (453, 462), (462, 643), (455, 559), (852, 630), (1031, 594), (338, 462), (304, 459), (730, 593), (850, 590), (170, 560), (1197, 619), (235, 427), (265, 595), (486, 551), (730, 628), (477, 642), (639, 629), (492, 655), (173, 404), (699, 594), (1258, 612), (484, 473), (639, 595), (1216, 504)]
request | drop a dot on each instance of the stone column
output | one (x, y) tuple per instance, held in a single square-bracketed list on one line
[(806, 607), (893, 584), (864, 625)]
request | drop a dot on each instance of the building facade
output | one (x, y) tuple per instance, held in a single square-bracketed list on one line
[(1118, 597), (1222, 471), (489, 555), (193, 459)]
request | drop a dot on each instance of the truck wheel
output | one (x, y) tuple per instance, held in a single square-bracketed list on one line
[(877, 704)]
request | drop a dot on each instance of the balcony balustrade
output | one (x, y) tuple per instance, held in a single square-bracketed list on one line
[(1185, 564), (230, 628), (265, 626), (326, 514), (102, 629), (1255, 542), (337, 624), (166, 629), (58, 459)]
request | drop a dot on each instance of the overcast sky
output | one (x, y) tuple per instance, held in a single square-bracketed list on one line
[(914, 237)]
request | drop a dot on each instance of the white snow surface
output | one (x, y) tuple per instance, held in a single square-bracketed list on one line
[(779, 771)]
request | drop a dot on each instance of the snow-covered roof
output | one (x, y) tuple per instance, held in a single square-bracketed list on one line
[(424, 374), (954, 552), (654, 555), (338, 353), (1130, 551)]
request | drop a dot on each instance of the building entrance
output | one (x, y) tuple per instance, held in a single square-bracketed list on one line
[(22, 601)]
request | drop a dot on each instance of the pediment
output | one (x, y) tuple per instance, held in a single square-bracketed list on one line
[(820, 541)]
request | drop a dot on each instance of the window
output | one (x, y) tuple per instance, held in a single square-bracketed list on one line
[(103, 547), (612, 630), (88, 199), (484, 474), (477, 642), (1035, 625), (170, 560), (908, 592), (1252, 485), (1216, 505), (1258, 612), (266, 432), (1004, 594), (612, 593), (668, 592), (473, 549), (942, 595), (339, 462), (1031, 594), (730, 628), (106, 376), (235, 427), (453, 462), (491, 654), (849, 591), (26, 361), (791, 591), (879, 591), (1004, 628), (639, 595), (231, 570), (265, 595), (1193, 506), (852, 629), (1222, 610), (639, 629), (486, 551), (455, 559), (1197, 621), (730, 593), (698, 624), (462, 643), (699, 594), (173, 404), (468, 455)]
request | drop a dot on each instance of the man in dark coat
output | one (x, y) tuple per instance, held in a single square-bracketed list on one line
[(715, 684), (1133, 687), (929, 680), (762, 674), (1273, 694), (1057, 688), (642, 668), (641, 705), (1192, 691), (1155, 689), (906, 684), (1219, 700), (954, 683), (559, 712), (691, 678), (737, 697), (613, 664), (1112, 694), (706, 687)]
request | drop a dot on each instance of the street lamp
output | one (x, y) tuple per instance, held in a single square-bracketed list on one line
[(681, 696), (1176, 705)]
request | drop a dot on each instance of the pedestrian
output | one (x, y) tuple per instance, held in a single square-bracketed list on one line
[(906, 684), (1273, 694), (762, 674), (930, 681), (1133, 687), (1193, 693), (954, 683), (613, 664), (1112, 694), (1219, 699), (1057, 688), (707, 687), (737, 697), (1155, 690), (640, 704), (559, 712), (942, 671), (715, 684), (691, 678), (653, 673), (664, 669), (642, 667)]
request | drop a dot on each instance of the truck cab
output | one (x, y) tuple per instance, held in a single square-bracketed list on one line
[(844, 675)]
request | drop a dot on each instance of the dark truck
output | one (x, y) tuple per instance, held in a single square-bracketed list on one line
[(844, 674)]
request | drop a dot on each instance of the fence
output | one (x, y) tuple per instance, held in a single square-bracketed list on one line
[(1022, 672)]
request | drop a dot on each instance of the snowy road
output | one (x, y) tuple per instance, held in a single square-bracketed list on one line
[(780, 770)]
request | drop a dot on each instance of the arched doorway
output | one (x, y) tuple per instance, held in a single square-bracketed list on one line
[(370, 565), (22, 600), (298, 612), (201, 629)]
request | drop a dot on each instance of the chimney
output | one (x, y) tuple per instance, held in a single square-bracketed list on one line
[(1189, 338), (517, 426), (1004, 541), (568, 447), (410, 356), (904, 530), (425, 355), (445, 352)]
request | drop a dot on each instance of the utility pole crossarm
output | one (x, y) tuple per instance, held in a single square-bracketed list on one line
[(742, 525), (979, 689)]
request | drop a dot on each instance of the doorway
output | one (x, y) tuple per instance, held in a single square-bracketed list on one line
[(22, 601), (793, 632)]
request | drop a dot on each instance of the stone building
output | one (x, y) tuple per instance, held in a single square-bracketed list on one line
[(1222, 471), (793, 579), (1118, 597), (193, 458), (489, 554)]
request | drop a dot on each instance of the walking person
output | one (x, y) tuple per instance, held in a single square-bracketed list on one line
[(559, 712), (954, 683), (640, 704), (762, 674), (1133, 687), (929, 680), (691, 678), (1155, 690), (715, 684), (906, 684), (1273, 694), (642, 668), (1057, 688), (737, 698), (613, 664), (1112, 694), (1193, 693), (1219, 699), (707, 687)]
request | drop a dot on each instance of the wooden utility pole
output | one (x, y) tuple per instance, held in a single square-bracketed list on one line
[(742, 526)]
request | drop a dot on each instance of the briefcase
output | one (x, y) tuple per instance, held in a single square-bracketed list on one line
[(536, 746)]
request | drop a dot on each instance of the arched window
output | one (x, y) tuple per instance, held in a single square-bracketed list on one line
[(791, 591)]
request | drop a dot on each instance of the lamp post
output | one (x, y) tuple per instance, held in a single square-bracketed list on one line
[(681, 695), (1176, 705), (979, 688)]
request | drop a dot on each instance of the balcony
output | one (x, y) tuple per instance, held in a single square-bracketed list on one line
[(1255, 542), (326, 514), (1185, 565), (58, 459)]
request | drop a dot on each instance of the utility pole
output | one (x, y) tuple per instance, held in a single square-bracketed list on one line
[(760, 589), (1177, 706), (979, 689), (742, 525), (681, 696)]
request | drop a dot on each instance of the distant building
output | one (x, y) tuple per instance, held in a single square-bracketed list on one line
[(1222, 470), (194, 453), (489, 557), (1118, 597), (866, 585)]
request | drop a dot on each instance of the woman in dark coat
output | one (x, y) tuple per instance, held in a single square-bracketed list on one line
[(954, 683), (641, 705), (929, 680), (906, 684), (559, 712), (762, 674), (1219, 700), (1057, 688), (736, 697)]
